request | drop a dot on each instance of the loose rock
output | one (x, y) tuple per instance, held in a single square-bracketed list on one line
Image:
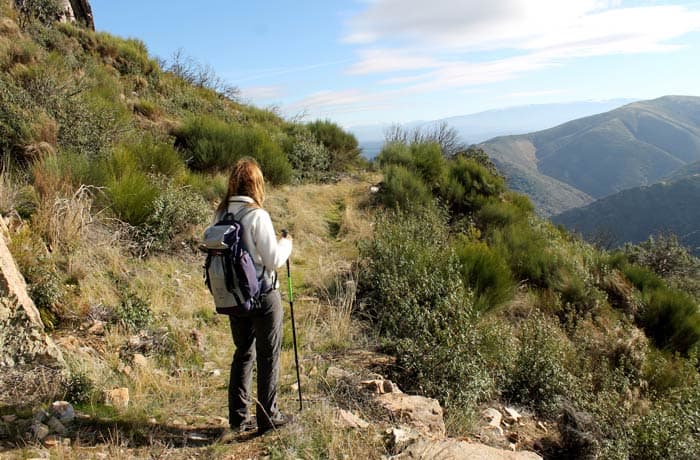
[(380, 386), (56, 426), (512, 415), (140, 361), (422, 414), (401, 438), (117, 397), (350, 420), (63, 410), (336, 373)]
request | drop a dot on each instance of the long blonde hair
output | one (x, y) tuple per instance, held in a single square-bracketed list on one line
[(246, 179)]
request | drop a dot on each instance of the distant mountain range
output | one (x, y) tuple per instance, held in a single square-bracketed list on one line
[(478, 127), (635, 214), (571, 164)]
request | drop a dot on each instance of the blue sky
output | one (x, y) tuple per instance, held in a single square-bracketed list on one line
[(393, 61)]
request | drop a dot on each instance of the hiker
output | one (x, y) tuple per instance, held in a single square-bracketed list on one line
[(258, 334)]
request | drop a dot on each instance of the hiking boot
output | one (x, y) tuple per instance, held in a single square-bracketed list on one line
[(232, 433), (275, 422)]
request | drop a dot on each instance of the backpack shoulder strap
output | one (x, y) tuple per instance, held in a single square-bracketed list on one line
[(242, 213)]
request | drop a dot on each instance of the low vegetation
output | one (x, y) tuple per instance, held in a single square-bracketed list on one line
[(466, 284)]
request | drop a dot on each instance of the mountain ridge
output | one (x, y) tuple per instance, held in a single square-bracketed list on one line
[(600, 155)]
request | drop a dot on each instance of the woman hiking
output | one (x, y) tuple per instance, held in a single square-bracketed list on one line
[(257, 336)]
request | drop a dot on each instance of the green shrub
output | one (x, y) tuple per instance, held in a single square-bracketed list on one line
[(670, 429), (529, 254), (133, 313), (79, 389), (429, 163), (486, 272), (672, 319), (147, 108), (211, 187), (416, 298), (395, 153), (175, 210), (15, 121), (309, 158), (213, 145), (642, 278), (132, 196), (499, 214), (403, 189), (342, 145), (540, 377), (468, 185), (153, 157)]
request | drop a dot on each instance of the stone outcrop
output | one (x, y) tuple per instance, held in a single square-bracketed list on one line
[(78, 11), (31, 365), (452, 449), (421, 433)]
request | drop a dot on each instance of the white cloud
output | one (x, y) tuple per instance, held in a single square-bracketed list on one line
[(433, 43), (390, 60), (328, 103)]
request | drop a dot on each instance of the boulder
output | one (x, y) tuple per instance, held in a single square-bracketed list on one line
[(421, 413), (77, 11), (452, 449), (32, 368)]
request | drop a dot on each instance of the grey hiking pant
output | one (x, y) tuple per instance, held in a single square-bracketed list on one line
[(258, 336)]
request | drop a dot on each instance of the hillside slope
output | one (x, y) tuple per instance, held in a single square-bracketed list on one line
[(600, 155), (635, 214)]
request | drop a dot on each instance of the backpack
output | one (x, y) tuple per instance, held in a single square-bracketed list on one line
[(229, 271)]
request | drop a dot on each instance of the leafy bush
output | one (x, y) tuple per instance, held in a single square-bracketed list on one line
[(15, 121), (540, 377), (128, 56), (309, 158), (403, 189), (79, 389), (417, 299), (213, 145), (500, 214), (670, 430), (341, 145), (133, 313), (486, 272), (175, 210)]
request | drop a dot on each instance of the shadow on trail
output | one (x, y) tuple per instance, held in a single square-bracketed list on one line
[(96, 431)]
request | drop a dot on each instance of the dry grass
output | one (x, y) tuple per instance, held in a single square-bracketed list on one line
[(184, 385), (8, 193)]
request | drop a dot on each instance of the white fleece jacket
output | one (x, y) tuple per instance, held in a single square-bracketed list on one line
[(259, 237)]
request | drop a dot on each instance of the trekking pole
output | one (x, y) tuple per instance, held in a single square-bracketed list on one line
[(294, 332)]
